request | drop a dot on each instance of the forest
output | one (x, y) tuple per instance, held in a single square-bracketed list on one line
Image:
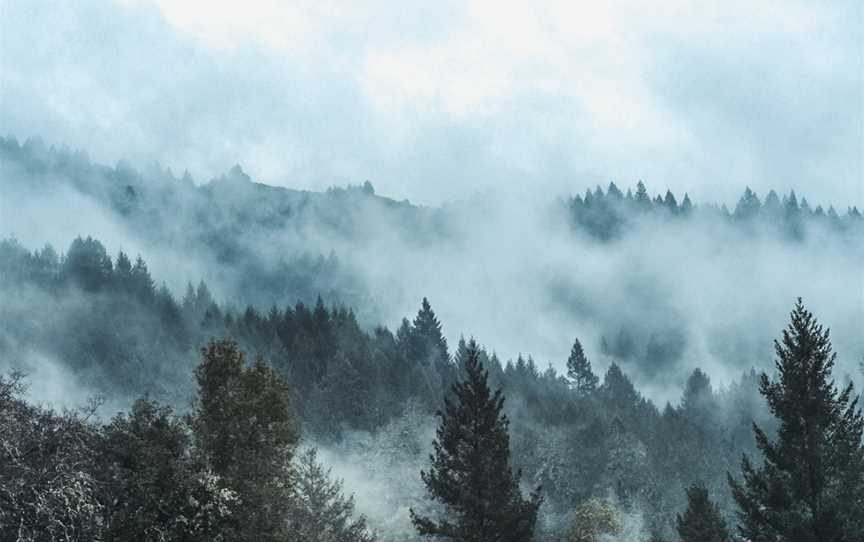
[(277, 405), (474, 271), (238, 460)]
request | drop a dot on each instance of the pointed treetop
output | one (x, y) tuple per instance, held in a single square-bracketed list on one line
[(686, 204), (579, 371), (810, 483), (702, 521), (471, 475)]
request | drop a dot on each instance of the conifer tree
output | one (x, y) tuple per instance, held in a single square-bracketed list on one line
[(471, 474), (748, 206), (643, 200), (141, 283), (811, 484), (670, 203), (428, 345), (579, 370), (686, 205), (698, 403), (122, 268), (429, 341), (701, 522), (618, 390)]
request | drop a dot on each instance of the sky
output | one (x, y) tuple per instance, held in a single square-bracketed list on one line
[(438, 101)]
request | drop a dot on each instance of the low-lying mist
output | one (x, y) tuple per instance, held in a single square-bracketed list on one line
[(667, 294)]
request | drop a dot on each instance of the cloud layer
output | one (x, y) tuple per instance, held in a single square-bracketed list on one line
[(433, 102)]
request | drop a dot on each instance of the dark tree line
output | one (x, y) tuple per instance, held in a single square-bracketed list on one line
[(584, 437), (607, 215)]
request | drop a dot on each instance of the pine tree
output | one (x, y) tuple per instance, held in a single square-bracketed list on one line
[(686, 205), (471, 473), (772, 204), (122, 269), (429, 347), (140, 281), (429, 344), (811, 484), (748, 206), (579, 370), (670, 203), (698, 403), (642, 199), (618, 390), (701, 522)]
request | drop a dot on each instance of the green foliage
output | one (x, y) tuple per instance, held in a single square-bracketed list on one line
[(156, 487), (470, 473), (701, 521), (245, 430), (810, 486), (579, 371)]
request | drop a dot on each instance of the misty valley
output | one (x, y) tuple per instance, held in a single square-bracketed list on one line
[(233, 361)]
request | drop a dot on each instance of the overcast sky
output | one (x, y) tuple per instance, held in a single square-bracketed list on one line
[(448, 98)]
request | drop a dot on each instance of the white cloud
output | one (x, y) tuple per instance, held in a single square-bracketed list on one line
[(701, 97)]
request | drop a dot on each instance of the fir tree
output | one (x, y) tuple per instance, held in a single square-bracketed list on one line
[(701, 522), (618, 390), (579, 370), (698, 403), (429, 341), (748, 206), (642, 199), (772, 204), (123, 267), (670, 203), (471, 473), (141, 282), (811, 484), (428, 345), (686, 205)]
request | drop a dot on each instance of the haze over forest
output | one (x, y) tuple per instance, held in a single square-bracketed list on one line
[(611, 214)]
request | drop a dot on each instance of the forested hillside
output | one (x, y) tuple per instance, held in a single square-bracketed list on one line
[(282, 357), (627, 271), (604, 459)]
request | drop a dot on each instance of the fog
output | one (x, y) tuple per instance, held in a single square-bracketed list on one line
[(456, 96), (510, 271), (232, 145)]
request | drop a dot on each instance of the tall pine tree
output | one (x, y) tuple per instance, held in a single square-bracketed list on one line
[(471, 473), (811, 485), (579, 370), (701, 522)]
